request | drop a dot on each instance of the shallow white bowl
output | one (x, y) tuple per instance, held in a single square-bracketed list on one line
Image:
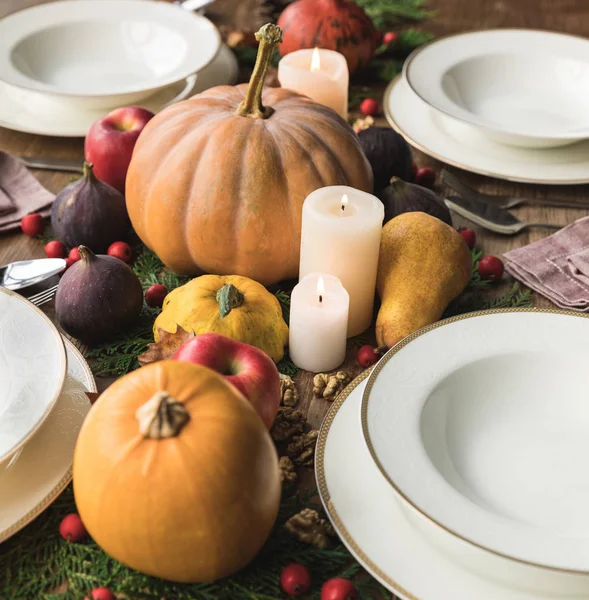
[(521, 87), (32, 370), (481, 424), (100, 53)]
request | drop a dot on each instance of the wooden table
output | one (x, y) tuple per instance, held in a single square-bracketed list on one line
[(570, 16)]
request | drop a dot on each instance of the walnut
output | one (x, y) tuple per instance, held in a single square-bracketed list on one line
[(363, 123), (289, 396), (288, 422), (302, 448), (308, 527), (288, 475), (329, 385)]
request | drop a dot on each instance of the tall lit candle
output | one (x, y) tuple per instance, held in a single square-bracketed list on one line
[(318, 323), (341, 236), (320, 74)]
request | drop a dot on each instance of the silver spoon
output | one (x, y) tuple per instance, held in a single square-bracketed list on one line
[(21, 274)]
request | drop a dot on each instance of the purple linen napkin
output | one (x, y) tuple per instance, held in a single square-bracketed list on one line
[(20, 193), (557, 266)]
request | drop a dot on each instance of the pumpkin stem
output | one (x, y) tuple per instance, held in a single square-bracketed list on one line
[(161, 417), (268, 36), (86, 253), (228, 297)]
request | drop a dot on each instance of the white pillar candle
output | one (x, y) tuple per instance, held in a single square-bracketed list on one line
[(320, 74), (318, 323), (341, 236)]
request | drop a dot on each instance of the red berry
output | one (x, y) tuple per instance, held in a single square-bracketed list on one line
[(69, 261), (155, 294), (369, 107), (120, 250), (55, 249), (367, 355), (413, 172), (295, 579), (469, 236), (491, 268), (390, 37), (101, 593), (74, 255), (72, 529), (425, 177), (32, 225), (339, 589)]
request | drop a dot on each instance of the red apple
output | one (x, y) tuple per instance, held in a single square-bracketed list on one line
[(249, 369), (110, 142)]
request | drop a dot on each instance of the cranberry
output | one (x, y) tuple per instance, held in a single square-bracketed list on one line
[(367, 355), (369, 107), (425, 177), (295, 579), (469, 236), (339, 589), (155, 294), (32, 225), (74, 255), (55, 249), (72, 529), (120, 250), (491, 268), (101, 593), (390, 37)]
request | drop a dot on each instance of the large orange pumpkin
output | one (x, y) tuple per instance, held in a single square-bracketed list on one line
[(175, 474), (217, 183)]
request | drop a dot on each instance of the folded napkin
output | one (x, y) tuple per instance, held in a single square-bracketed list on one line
[(20, 193), (557, 266)]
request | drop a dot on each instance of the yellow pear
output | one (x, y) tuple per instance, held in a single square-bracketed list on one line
[(423, 265)]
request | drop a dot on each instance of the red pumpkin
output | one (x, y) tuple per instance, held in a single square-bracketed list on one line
[(340, 25)]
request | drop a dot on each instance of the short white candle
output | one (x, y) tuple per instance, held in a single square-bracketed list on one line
[(318, 323), (341, 235), (320, 74)]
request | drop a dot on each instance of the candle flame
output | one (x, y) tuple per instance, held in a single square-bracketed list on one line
[(344, 202), (320, 288), (315, 60)]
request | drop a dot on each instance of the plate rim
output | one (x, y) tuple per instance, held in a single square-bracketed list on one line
[(66, 479), (62, 362), (325, 496), (460, 165), (399, 493), (180, 76), (478, 123)]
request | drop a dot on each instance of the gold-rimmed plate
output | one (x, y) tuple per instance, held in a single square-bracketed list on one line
[(368, 518), (43, 469), (32, 371), (463, 146)]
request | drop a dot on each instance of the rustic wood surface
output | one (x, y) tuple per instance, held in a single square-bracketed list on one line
[(570, 16)]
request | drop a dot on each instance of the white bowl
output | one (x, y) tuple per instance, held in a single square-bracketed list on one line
[(32, 371), (521, 87), (101, 53), (481, 424)]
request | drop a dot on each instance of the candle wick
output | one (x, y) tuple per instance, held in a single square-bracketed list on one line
[(343, 207), (320, 298)]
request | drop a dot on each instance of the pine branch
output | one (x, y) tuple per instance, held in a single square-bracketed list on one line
[(514, 298), (385, 13)]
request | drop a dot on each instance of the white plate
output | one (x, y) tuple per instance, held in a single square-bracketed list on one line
[(49, 117), (463, 146), (521, 86), (32, 370), (43, 470), (480, 424), (99, 53), (367, 516)]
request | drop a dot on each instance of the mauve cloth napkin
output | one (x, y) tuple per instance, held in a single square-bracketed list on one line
[(557, 266), (20, 193)]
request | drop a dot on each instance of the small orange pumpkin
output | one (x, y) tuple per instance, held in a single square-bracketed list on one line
[(217, 183), (175, 474)]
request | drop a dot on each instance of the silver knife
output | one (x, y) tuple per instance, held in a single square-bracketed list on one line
[(491, 217), (71, 165)]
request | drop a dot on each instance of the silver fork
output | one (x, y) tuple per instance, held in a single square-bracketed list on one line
[(501, 201), (43, 297)]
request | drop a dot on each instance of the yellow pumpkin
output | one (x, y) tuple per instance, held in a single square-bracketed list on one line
[(217, 183), (236, 307), (175, 474)]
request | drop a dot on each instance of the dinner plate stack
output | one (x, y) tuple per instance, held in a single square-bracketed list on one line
[(65, 64), (507, 103), (465, 463), (43, 402)]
